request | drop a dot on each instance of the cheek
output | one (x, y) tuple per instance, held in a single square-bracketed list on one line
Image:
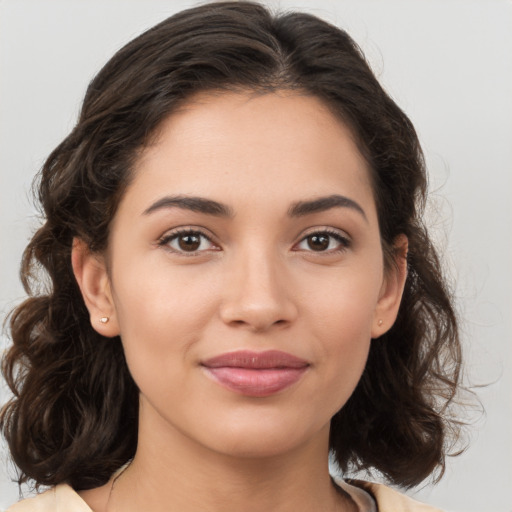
[(341, 316), (152, 294), (161, 316), (344, 304)]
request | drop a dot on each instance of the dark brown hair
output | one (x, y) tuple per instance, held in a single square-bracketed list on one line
[(73, 417)]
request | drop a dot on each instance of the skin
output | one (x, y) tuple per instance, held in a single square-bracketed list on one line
[(257, 282)]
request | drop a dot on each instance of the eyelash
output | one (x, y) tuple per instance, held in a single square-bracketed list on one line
[(175, 235), (344, 242)]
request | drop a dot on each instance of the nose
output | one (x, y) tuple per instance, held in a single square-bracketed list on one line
[(258, 295)]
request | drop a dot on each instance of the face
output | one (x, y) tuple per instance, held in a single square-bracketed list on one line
[(246, 273)]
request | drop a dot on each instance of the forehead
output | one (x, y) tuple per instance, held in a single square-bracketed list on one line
[(231, 145)]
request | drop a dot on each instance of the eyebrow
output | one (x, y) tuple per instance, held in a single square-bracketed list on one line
[(211, 207), (195, 204), (322, 204)]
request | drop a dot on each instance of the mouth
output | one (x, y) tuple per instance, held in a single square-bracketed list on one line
[(256, 374)]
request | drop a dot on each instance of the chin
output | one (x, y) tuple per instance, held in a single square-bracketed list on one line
[(266, 438)]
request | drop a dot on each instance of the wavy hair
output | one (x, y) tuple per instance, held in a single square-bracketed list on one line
[(73, 416)]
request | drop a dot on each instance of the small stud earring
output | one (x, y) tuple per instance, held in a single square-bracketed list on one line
[(380, 322), (104, 319)]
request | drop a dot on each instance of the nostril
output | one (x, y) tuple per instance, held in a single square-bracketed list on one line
[(251, 309), (258, 324)]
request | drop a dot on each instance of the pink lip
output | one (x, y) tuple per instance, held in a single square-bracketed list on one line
[(257, 374)]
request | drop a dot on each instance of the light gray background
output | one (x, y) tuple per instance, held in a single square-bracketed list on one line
[(448, 63)]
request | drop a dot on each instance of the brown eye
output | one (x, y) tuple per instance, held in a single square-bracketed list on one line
[(323, 241), (318, 242), (189, 242)]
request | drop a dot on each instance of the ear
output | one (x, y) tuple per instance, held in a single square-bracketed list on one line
[(91, 274), (392, 289)]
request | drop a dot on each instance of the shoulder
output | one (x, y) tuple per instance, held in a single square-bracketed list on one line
[(387, 499), (64, 499), (61, 498)]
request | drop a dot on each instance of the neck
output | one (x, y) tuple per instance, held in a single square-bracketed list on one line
[(187, 477)]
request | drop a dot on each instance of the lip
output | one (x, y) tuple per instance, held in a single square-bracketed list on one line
[(257, 374)]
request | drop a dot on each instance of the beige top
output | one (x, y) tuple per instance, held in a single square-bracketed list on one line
[(63, 498)]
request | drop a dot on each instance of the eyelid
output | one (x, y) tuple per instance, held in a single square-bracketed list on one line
[(171, 234), (341, 236)]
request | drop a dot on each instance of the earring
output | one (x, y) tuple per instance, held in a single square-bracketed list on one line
[(104, 319), (380, 322)]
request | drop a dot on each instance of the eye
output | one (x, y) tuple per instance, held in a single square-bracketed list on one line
[(323, 241), (187, 241)]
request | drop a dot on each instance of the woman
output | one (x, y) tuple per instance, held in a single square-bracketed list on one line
[(241, 283)]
